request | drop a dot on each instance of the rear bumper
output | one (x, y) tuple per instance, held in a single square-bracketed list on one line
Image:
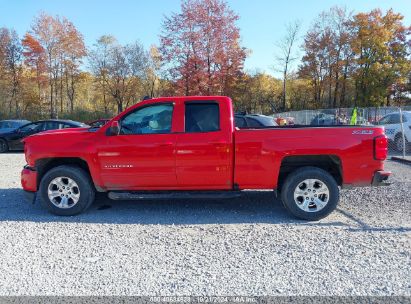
[(380, 178), (29, 179)]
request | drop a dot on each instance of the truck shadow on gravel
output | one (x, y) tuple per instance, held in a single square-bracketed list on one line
[(253, 207)]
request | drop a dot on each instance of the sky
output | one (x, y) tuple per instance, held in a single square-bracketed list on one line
[(262, 22)]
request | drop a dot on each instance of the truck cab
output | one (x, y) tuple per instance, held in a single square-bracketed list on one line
[(170, 144)]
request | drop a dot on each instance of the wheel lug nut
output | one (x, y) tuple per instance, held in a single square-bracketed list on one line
[(309, 190)]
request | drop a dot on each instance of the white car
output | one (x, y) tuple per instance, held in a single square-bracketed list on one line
[(392, 124)]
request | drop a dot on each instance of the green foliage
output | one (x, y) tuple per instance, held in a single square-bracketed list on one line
[(85, 115)]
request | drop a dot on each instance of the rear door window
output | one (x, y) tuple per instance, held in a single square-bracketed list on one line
[(202, 117), (385, 120), (395, 119), (50, 125), (33, 127)]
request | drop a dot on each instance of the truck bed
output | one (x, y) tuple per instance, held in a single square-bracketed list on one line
[(260, 152)]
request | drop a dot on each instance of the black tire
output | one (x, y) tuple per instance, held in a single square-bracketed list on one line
[(4, 147), (295, 179), (85, 185), (398, 143)]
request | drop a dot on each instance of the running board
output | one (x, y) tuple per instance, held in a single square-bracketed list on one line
[(173, 195)]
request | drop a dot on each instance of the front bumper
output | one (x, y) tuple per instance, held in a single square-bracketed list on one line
[(380, 178), (29, 179)]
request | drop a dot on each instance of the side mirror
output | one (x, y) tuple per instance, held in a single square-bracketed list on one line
[(114, 128)]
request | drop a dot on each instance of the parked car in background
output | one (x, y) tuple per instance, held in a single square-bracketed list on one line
[(392, 124), (244, 121), (12, 140), (323, 119), (11, 124), (98, 123)]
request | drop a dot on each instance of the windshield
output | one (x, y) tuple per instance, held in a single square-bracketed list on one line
[(266, 120)]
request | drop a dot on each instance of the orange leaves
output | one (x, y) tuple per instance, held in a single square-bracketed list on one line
[(34, 53), (200, 47)]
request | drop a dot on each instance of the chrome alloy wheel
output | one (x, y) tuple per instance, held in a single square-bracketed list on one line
[(311, 195), (63, 192), (399, 144)]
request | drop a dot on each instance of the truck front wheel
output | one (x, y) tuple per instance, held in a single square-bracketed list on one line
[(310, 193), (66, 190)]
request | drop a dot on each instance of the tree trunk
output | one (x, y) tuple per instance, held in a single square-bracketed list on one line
[(51, 100), (61, 92), (119, 106), (337, 84), (285, 88)]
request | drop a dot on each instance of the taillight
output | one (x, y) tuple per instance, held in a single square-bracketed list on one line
[(380, 147)]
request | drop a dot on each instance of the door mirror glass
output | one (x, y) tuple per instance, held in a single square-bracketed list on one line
[(115, 128)]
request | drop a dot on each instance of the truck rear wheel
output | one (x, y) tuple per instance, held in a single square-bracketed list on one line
[(66, 190), (310, 193)]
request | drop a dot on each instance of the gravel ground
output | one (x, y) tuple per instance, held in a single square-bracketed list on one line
[(249, 246)]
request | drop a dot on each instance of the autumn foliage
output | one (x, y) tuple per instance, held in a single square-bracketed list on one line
[(357, 60), (346, 59), (201, 48)]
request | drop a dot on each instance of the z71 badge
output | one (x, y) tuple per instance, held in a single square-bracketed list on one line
[(363, 132)]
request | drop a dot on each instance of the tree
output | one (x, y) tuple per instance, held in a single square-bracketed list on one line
[(119, 70), (73, 50), (381, 46), (314, 63), (63, 48), (328, 56), (35, 59), (257, 93), (11, 63), (98, 61), (152, 73), (126, 64), (286, 56), (46, 31), (201, 45)]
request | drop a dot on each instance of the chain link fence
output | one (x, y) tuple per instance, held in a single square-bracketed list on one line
[(396, 120)]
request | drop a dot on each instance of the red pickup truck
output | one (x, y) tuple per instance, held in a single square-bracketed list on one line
[(188, 147)]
